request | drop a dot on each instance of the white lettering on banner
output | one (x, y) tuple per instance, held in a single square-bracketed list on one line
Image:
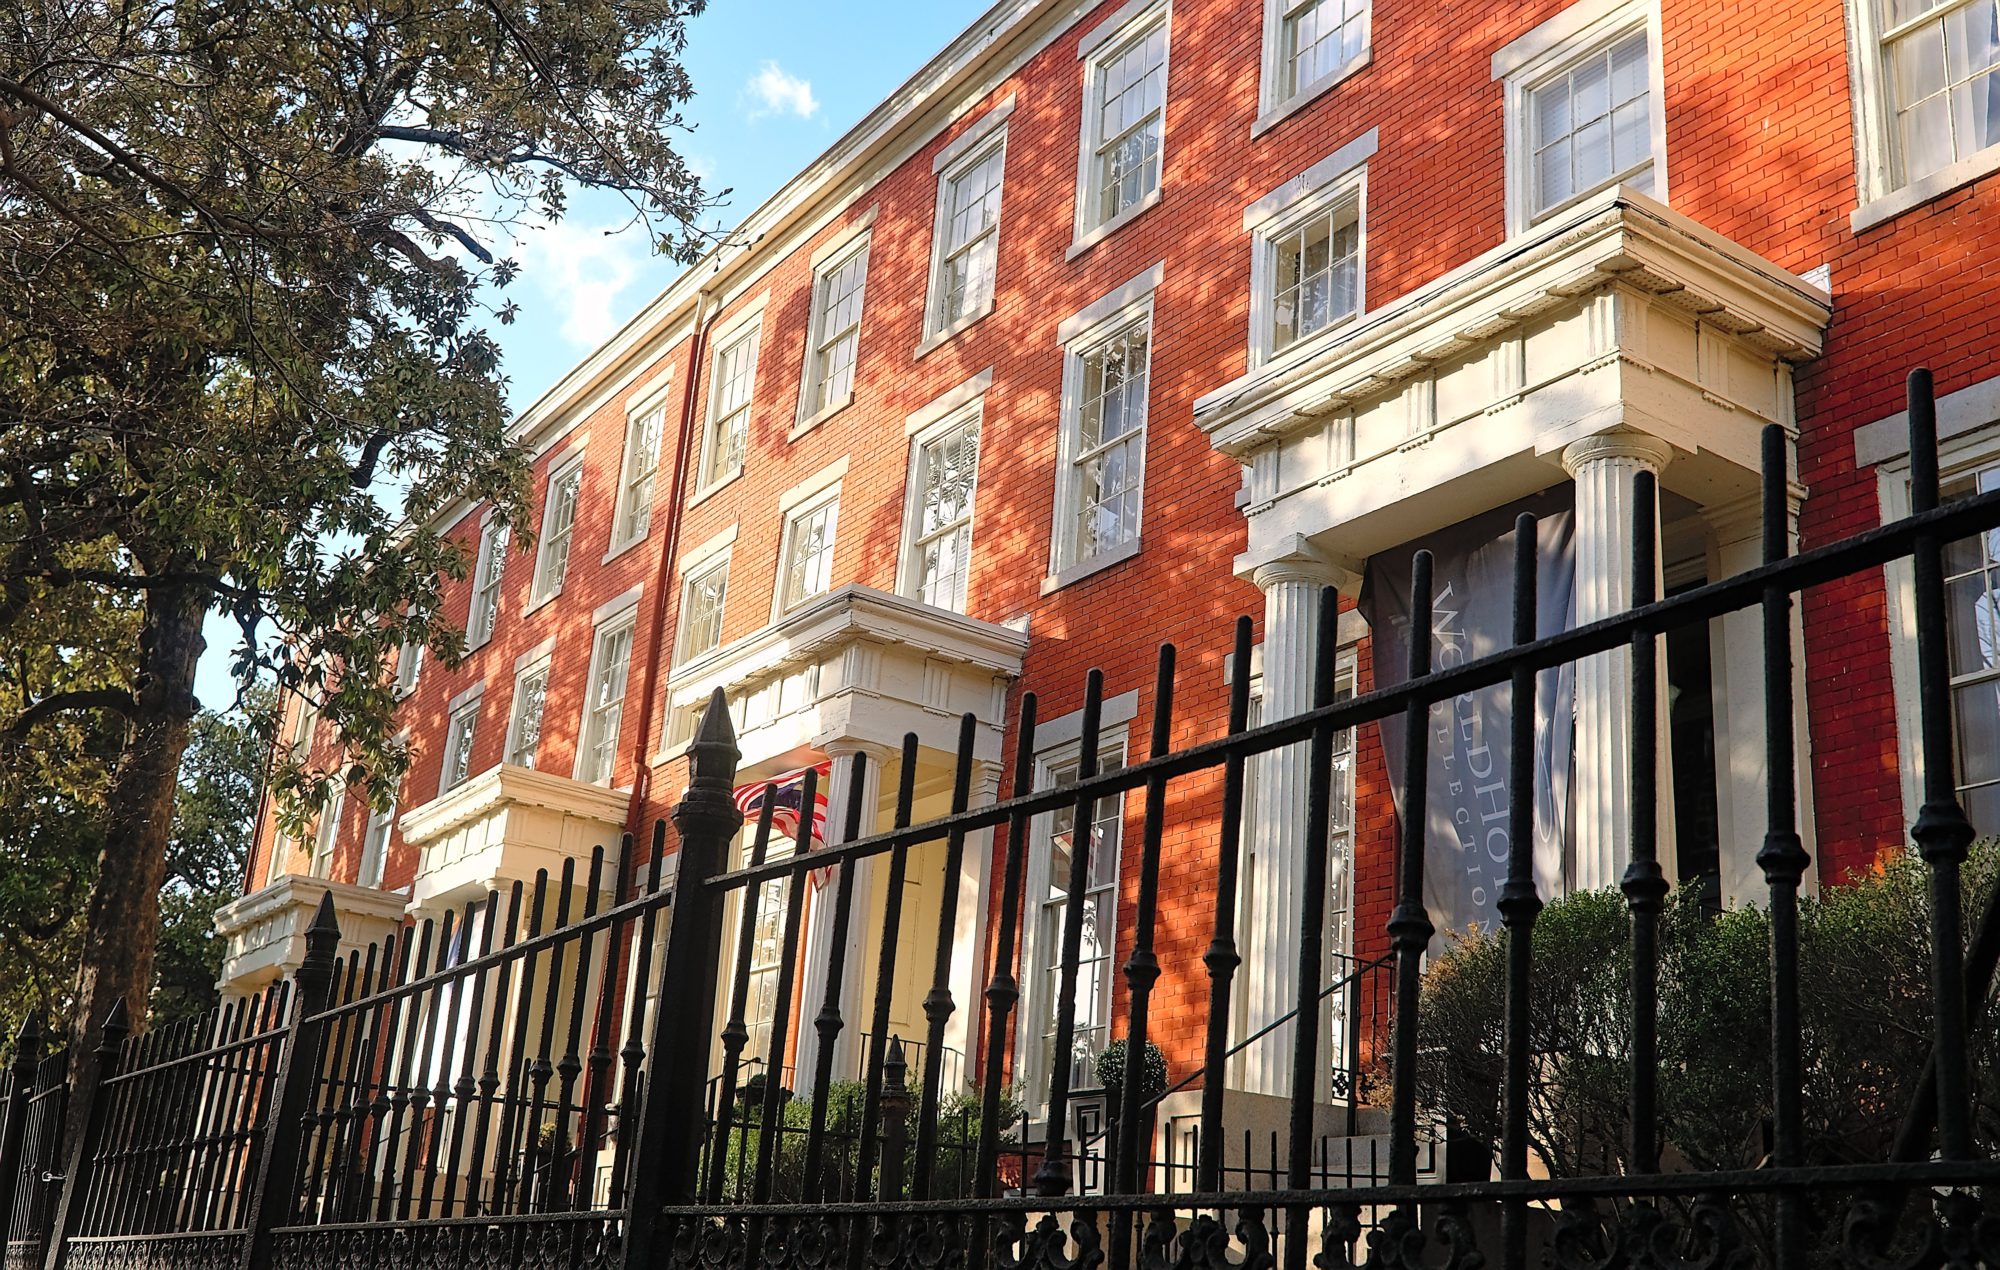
[(1481, 823)]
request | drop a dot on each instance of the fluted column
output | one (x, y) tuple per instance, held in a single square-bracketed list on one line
[(1275, 838), (1604, 468), (820, 914)]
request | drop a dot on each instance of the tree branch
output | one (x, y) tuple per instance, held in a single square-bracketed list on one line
[(116, 700)]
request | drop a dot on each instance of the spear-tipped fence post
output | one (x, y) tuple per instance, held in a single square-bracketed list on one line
[(274, 1197), (89, 1109), (667, 1164), (14, 1121)]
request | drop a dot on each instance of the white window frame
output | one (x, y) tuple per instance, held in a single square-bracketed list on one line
[(1339, 178), (535, 663), (825, 499), (461, 719), (819, 341), (1097, 51), (1275, 104), (1037, 961), (746, 332), (1883, 194), (909, 570), (978, 143), (553, 550), (489, 574), (1082, 335), (409, 667), (632, 520), (625, 622), (326, 832), (376, 842), (693, 573), (1585, 28)]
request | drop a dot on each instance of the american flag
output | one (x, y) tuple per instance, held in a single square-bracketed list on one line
[(788, 796)]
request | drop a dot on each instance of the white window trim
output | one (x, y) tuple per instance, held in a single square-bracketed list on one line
[(470, 702), (1122, 306), (410, 656), (1274, 107), (625, 618), (385, 823), (856, 244), (794, 507), (482, 576), (622, 537), (1028, 1023), (1880, 197), (691, 572), (1554, 45), (747, 325), (1340, 176), (559, 471), (973, 410), (978, 142), (1119, 29), (326, 832), (536, 661)]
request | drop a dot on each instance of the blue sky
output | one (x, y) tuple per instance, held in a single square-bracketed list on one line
[(776, 83)]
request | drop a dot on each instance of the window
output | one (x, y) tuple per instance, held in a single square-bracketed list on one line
[(1314, 264), (1103, 442), (702, 598), (458, 737), (1054, 844), (944, 473), (1313, 43), (1124, 122), (767, 952), (326, 835), (729, 408), (805, 568), (604, 700), (635, 485), (558, 527), (836, 331), (968, 238), (494, 538), (524, 727), (1943, 59), (1972, 599), (409, 664), (375, 847), (1583, 108)]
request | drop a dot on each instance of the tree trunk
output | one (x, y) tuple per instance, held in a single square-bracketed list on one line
[(122, 920)]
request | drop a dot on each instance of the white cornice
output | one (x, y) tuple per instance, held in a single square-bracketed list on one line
[(507, 785), (296, 890), (1620, 237)]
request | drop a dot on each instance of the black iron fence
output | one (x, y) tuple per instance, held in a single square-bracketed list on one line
[(515, 1084)]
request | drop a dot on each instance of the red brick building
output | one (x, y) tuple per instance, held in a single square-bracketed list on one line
[(1120, 319)]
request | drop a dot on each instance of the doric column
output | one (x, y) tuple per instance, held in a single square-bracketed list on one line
[(1274, 841), (1736, 662), (968, 946), (1604, 468), (822, 905)]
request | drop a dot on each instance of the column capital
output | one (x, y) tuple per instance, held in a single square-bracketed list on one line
[(1294, 558), (848, 746), (1626, 444)]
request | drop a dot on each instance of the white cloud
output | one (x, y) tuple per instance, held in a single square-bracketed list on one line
[(777, 92), (579, 272)]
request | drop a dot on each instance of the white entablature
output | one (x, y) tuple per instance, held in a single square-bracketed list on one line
[(1618, 315)]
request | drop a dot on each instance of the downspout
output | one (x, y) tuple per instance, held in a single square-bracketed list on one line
[(642, 772)]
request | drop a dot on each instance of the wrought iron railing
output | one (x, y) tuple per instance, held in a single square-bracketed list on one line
[(504, 1087)]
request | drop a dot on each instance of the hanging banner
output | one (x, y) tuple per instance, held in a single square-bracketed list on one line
[(1469, 817)]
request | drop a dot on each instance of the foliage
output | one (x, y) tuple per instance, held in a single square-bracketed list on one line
[(1110, 1068), (247, 253)]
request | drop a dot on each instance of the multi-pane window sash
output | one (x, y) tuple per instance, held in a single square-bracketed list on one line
[(1972, 598), (604, 708), (375, 847), (1095, 969), (642, 460), (969, 239), (1317, 38), (530, 696), (1590, 125), (1128, 109), (1943, 61), (1107, 443), (947, 474), (1316, 273), (808, 564), (729, 408), (766, 952), (493, 544), (702, 601), (409, 664), (836, 331), (458, 738), (558, 528), (327, 834)]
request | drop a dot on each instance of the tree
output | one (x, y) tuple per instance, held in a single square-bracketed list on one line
[(245, 255)]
